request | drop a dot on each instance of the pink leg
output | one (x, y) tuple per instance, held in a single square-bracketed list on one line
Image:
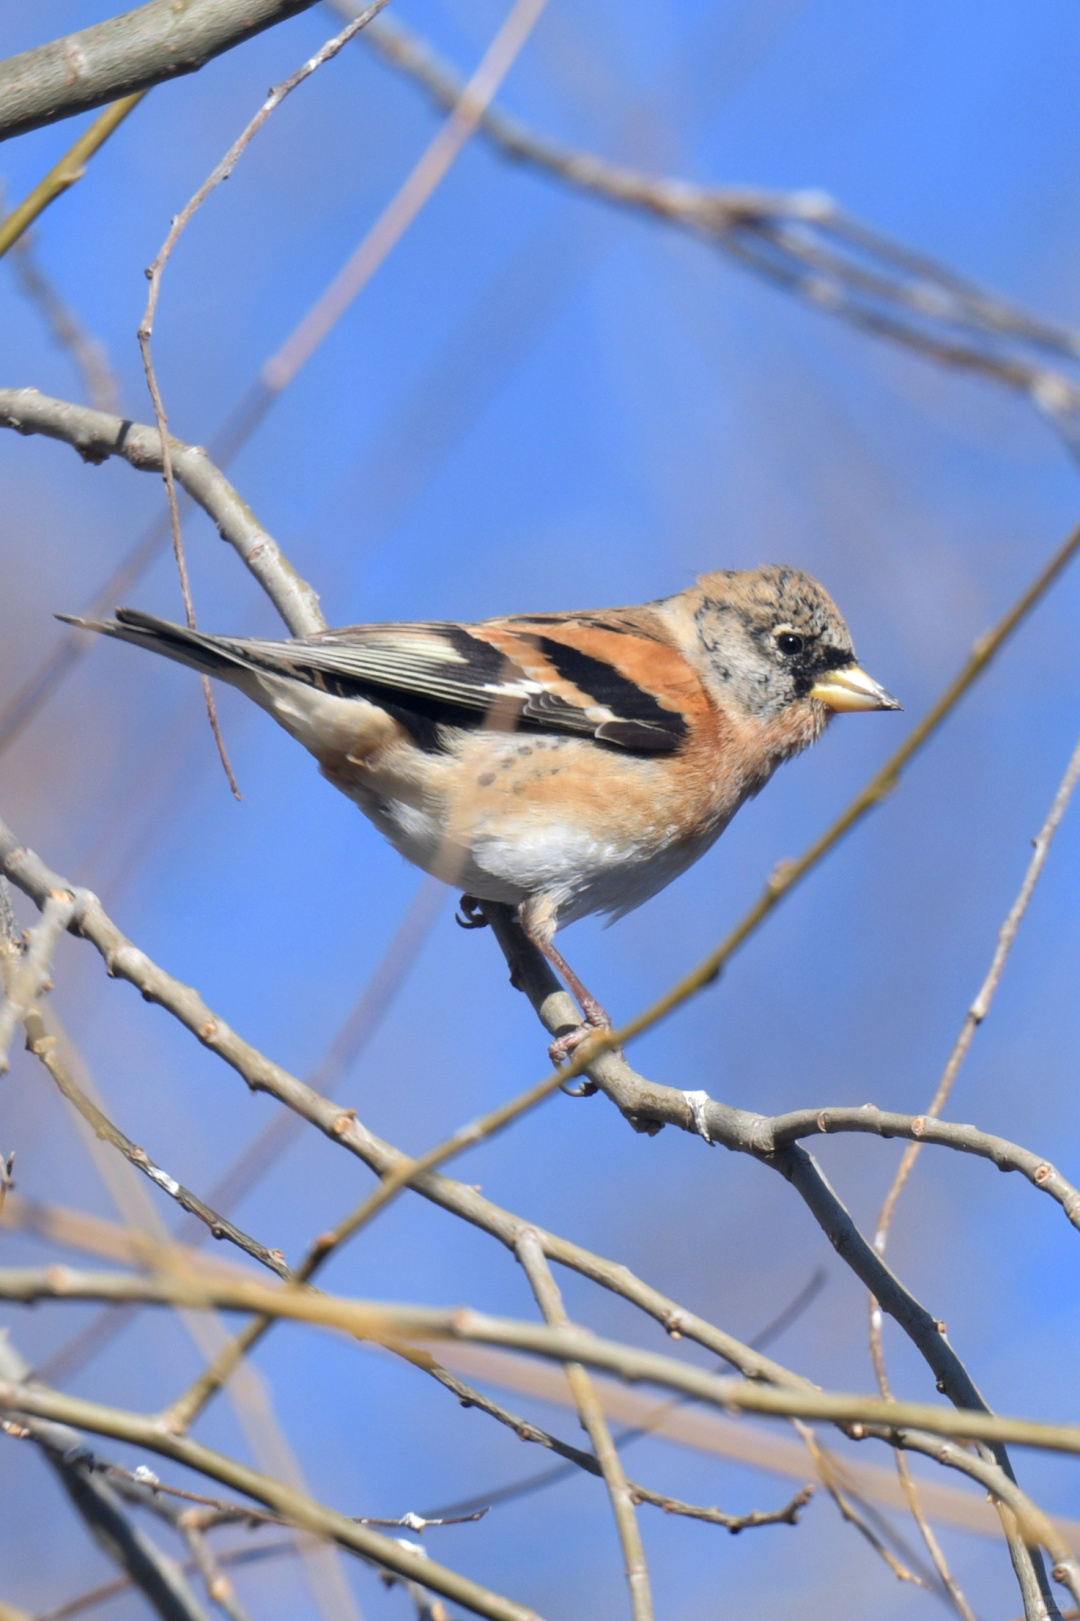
[(596, 1018)]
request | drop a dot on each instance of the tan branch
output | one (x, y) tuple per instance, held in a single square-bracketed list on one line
[(548, 1298)]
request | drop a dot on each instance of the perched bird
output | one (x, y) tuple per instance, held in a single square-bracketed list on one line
[(566, 763)]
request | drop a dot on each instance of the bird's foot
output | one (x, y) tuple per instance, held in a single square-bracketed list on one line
[(469, 915), (562, 1047)]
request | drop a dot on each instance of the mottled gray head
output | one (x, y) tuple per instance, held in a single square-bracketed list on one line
[(774, 637)]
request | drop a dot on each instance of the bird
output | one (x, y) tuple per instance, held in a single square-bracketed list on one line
[(563, 763)]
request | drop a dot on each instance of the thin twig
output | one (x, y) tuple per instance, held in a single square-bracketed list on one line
[(548, 1298), (219, 1589), (100, 1509), (386, 1324), (1042, 1173), (146, 327), (44, 1046), (847, 1510), (296, 1507), (109, 1590), (980, 1007), (919, 1426)]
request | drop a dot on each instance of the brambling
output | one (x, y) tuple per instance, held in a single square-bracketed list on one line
[(566, 763)]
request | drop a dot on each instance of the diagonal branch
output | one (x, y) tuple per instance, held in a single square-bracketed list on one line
[(44, 1047), (96, 436), (126, 54), (300, 1510), (802, 243), (99, 1507)]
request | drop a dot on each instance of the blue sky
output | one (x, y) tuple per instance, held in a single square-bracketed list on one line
[(539, 403)]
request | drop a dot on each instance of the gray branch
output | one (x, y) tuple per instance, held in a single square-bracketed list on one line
[(80, 1474), (650, 1106), (162, 40), (96, 436)]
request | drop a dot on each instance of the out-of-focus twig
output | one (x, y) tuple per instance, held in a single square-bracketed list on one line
[(71, 167), (97, 1504), (88, 355), (803, 243), (38, 1401), (146, 327)]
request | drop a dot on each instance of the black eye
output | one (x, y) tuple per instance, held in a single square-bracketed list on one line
[(789, 643)]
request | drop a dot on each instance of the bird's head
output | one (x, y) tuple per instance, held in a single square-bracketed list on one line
[(774, 644)]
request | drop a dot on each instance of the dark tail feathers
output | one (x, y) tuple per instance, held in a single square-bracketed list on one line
[(210, 655)]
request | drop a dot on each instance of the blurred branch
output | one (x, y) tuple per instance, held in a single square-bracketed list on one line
[(536, 1269), (144, 1430), (100, 1595), (44, 1046), (126, 54), (385, 1324), (97, 436), (1040, 1174), (26, 976), (803, 243), (668, 1419), (98, 1506), (849, 1513), (219, 1588), (63, 175), (89, 356)]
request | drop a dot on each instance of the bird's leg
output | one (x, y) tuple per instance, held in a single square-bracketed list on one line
[(540, 932), (470, 914)]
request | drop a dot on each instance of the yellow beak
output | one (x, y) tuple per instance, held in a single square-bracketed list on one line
[(851, 688)]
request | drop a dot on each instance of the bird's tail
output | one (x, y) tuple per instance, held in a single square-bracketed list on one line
[(210, 655)]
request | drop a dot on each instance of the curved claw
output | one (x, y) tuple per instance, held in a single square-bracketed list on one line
[(470, 915)]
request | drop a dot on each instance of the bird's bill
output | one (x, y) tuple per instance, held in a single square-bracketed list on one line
[(851, 688)]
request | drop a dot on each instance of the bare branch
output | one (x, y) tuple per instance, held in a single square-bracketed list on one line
[(27, 978), (98, 1506), (97, 436), (385, 1324), (291, 1505), (1042, 1175), (126, 54), (802, 243), (649, 1106), (44, 1046), (534, 1263)]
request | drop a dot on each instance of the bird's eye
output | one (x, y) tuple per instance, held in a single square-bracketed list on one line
[(789, 643)]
